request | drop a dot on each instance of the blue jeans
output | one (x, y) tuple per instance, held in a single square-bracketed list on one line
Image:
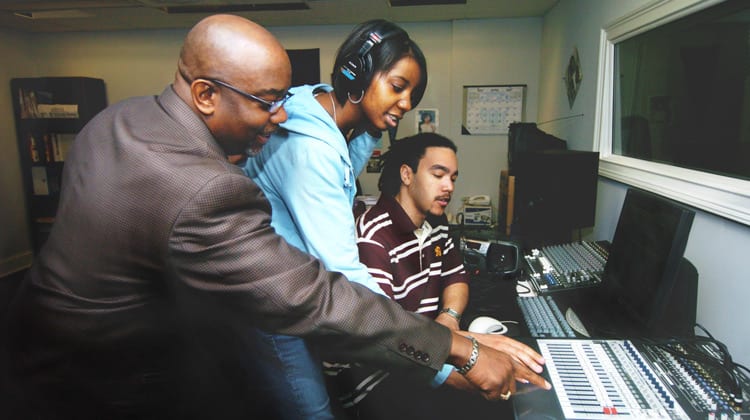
[(292, 376)]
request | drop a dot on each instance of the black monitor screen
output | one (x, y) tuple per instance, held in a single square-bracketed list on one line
[(305, 66), (645, 255), (525, 138), (555, 190)]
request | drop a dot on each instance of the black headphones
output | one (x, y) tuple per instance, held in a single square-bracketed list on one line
[(356, 68)]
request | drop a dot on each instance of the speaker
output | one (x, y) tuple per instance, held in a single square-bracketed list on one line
[(357, 67), (678, 311), (503, 259)]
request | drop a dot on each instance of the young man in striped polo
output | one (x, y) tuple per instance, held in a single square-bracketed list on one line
[(404, 242)]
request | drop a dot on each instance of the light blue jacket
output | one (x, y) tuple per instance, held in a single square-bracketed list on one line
[(308, 172)]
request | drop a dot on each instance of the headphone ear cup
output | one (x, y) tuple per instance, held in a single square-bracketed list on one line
[(366, 70), (352, 73)]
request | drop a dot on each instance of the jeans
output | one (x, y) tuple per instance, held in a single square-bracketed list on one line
[(292, 376)]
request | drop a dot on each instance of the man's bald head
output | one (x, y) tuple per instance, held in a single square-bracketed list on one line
[(228, 49), (223, 46)]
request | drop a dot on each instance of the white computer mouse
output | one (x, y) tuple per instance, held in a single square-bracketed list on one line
[(487, 325)]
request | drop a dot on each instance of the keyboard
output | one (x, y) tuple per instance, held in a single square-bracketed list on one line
[(544, 318)]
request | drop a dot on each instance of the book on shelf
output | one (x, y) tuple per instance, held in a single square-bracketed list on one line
[(39, 182), (54, 147), (33, 150), (30, 104), (22, 104), (61, 144), (57, 111), (47, 148), (39, 104)]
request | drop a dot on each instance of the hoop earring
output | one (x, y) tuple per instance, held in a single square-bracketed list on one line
[(361, 95)]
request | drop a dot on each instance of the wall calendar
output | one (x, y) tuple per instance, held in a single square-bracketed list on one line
[(490, 109)]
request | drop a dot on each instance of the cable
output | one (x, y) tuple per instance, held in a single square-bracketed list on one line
[(726, 363), (742, 367), (525, 288), (704, 330), (705, 360)]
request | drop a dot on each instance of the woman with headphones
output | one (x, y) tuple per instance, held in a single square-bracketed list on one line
[(308, 170)]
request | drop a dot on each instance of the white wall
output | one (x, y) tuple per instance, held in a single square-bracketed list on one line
[(717, 247), (15, 242), (491, 52), (131, 63)]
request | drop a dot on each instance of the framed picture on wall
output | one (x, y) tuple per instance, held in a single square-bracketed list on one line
[(427, 120)]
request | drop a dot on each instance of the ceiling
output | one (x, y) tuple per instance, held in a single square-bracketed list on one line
[(109, 15)]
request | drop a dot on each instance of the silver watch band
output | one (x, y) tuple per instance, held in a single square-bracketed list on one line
[(452, 313), (472, 357)]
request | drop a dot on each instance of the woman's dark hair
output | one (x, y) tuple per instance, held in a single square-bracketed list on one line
[(396, 45), (407, 151)]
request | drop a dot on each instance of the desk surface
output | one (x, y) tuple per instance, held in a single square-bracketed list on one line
[(489, 296), (495, 297)]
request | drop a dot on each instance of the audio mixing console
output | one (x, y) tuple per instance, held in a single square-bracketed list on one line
[(566, 266), (608, 379)]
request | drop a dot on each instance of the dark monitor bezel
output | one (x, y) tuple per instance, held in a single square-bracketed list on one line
[(628, 292)]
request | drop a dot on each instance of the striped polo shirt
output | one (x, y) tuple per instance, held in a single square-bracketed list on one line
[(412, 265)]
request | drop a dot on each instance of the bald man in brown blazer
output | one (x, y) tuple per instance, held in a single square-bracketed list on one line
[(162, 255)]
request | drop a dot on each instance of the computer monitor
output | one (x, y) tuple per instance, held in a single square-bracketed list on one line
[(527, 137), (555, 193), (305, 66), (641, 278)]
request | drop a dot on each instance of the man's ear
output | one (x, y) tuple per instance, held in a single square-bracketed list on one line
[(406, 174), (204, 97)]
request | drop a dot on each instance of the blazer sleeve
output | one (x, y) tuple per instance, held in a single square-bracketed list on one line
[(228, 266)]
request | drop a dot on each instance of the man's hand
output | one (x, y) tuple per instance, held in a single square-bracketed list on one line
[(517, 350), (495, 373), (458, 381)]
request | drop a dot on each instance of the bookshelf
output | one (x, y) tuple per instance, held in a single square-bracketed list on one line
[(49, 112)]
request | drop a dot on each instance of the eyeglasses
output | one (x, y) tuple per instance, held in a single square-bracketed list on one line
[(270, 106)]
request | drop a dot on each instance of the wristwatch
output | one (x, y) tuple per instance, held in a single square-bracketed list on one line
[(452, 313)]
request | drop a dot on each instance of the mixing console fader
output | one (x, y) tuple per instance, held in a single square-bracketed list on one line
[(608, 379), (566, 266)]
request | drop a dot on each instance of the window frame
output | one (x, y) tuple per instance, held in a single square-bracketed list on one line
[(721, 195)]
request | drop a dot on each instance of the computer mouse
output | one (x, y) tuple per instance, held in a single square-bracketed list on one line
[(487, 325)]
